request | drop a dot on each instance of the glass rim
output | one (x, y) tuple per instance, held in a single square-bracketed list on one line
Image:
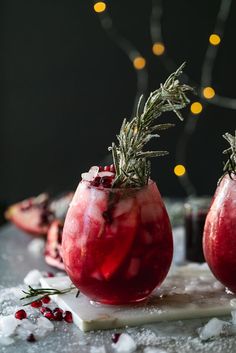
[(101, 188)]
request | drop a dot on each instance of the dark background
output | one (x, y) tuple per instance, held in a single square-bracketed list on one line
[(66, 86)]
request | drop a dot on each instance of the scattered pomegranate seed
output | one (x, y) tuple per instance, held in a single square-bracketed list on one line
[(68, 317), (36, 304), (49, 315), (46, 300), (31, 338), (45, 309), (58, 314), (112, 168), (115, 337), (107, 168), (20, 314)]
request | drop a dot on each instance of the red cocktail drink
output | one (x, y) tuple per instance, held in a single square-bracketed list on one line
[(117, 243)]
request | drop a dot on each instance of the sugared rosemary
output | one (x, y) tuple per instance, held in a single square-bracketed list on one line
[(230, 165), (40, 293), (131, 162)]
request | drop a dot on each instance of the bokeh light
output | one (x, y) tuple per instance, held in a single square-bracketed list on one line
[(139, 63), (196, 108), (208, 92), (99, 6), (179, 170), (158, 48), (214, 39)]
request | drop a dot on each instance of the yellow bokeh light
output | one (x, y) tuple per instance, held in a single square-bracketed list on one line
[(208, 92), (196, 108), (214, 39), (139, 63), (179, 170), (158, 48), (99, 6)]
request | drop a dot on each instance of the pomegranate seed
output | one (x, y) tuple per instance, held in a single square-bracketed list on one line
[(45, 309), (107, 168), (49, 315), (96, 181), (112, 168), (115, 337), (46, 300), (31, 338), (68, 317), (106, 181), (20, 314), (36, 304), (58, 314), (100, 168)]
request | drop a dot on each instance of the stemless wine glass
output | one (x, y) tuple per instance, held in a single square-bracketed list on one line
[(117, 244)]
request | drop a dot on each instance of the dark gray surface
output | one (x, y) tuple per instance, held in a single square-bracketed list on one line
[(181, 336)]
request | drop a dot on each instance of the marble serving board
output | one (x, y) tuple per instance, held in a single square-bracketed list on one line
[(189, 292)]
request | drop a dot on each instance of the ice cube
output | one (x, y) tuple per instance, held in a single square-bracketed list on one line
[(32, 278), (125, 344), (8, 325), (100, 349), (60, 282), (6, 341), (213, 328), (106, 174), (43, 327), (153, 350), (36, 247), (25, 328)]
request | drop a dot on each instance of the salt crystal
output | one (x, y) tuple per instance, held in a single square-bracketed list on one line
[(213, 328), (100, 349), (36, 247), (125, 344), (8, 325), (32, 278), (43, 326), (153, 350), (6, 341)]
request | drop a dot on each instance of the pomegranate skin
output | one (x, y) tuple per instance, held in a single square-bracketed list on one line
[(219, 239)]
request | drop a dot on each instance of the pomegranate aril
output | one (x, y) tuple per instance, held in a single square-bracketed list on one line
[(20, 314), (100, 168), (115, 337), (45, 309), (50, 274), (107, 168), (46, 300), (49, 315), (112, 168), (68, 317), (58, 314), (36, 304), (31, 338), (96, 181), (106, 181)]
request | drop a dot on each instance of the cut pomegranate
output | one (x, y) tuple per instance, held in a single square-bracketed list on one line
[(46, 300), (68, 317), (53, 245), (35, 214), (36, 304), (31, 338), (20, 314)]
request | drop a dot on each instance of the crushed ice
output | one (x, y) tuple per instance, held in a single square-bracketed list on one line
[(125, 344)]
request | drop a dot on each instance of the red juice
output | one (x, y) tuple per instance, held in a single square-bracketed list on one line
[(117, 243)]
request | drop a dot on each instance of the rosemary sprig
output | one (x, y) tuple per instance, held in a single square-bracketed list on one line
[(230, 165), (40, 293), (131, 162)]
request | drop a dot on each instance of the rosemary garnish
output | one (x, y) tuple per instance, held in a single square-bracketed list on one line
[(40, 293), (230, 165), (131, 162)]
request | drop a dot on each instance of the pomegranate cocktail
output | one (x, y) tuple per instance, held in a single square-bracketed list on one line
[(117, 241)]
